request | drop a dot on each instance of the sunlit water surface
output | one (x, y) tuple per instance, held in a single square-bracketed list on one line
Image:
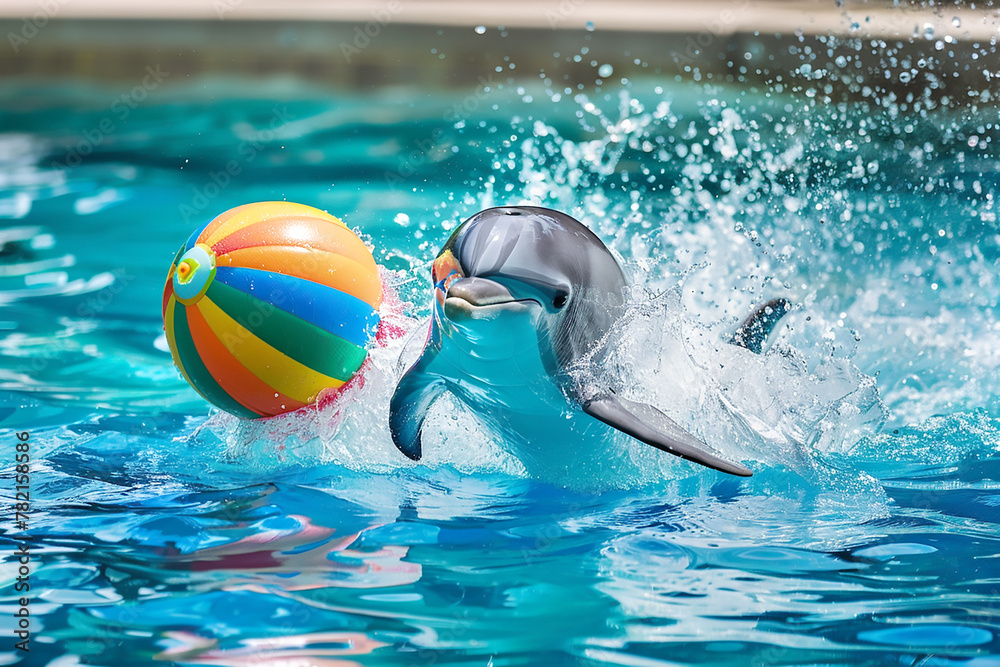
[(165, 532)]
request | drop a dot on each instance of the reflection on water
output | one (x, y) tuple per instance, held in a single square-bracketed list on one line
[(321, 649), (299, 557)]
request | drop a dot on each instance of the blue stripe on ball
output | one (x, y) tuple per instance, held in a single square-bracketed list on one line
[(333, 311)]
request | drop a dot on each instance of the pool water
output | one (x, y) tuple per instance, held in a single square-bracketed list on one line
[(165, 532)]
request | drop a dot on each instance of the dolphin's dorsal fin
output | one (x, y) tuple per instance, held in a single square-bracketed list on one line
[(759, 324), (414, 394), (647, 424)]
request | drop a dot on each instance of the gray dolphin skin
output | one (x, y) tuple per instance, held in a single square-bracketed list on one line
[(521, 294)]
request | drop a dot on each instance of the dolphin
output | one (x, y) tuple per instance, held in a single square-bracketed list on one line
[(521, 294)]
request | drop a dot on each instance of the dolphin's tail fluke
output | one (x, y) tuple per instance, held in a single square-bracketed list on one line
[(649, 425), (759, 324)]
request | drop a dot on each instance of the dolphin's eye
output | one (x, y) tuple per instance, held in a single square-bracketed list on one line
[(559, 300)]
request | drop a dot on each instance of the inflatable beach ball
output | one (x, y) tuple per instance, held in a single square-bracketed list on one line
[(270, 304)]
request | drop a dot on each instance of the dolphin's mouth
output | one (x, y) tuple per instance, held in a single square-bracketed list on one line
[(480, 298)]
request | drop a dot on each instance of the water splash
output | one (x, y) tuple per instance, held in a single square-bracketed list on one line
[(721, 201)]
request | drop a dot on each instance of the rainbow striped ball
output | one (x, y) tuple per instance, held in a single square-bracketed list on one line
[(270, 304)]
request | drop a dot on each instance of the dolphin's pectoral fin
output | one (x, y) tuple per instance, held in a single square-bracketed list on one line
[(414, 394), (647, 424), (759, 324)]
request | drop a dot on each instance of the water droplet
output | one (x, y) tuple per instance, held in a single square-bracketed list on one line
[(957, 22), (480, 29), (928, 31), (904, 77), (605, 71), (841, 61), (590, 26), (401, 219)]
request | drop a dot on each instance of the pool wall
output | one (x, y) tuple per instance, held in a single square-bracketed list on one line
[(904, 51)]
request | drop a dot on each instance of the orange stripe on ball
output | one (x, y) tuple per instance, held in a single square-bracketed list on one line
[(326, 268), (302, 231), (250, 214), (221, 220)]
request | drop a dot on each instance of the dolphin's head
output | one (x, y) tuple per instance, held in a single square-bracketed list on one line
[(528, 262), (473, 310)]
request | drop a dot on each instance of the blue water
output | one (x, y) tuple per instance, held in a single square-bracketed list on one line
[(164, 532)]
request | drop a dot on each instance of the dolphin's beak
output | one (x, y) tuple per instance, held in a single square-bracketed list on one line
[(479, 299), (479, 292)]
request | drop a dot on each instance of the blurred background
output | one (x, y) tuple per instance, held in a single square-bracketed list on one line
[(373, 43)]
